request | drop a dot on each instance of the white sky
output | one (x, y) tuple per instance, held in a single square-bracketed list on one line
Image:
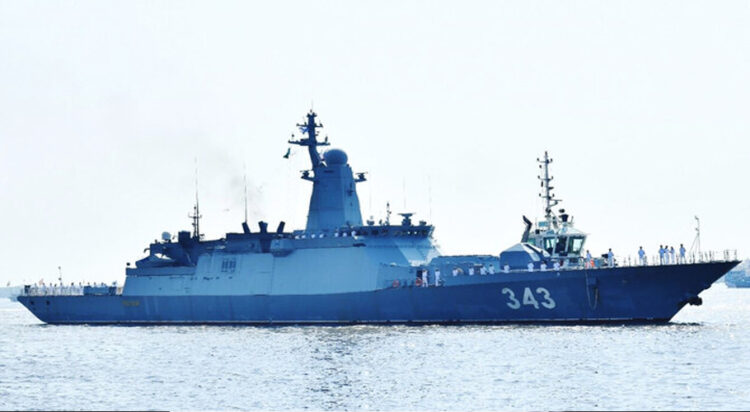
[(104, 106)]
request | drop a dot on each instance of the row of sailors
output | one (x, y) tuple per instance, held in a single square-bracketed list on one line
[(55, 289), (424, 274), (322, 235), (666, 255)]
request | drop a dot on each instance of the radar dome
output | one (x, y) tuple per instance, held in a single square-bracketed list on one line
[(335, 157), (165, 236)]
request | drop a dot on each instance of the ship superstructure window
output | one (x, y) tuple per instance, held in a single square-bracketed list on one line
[(576, 244), (561, 244), (228, 265), (549, 244)]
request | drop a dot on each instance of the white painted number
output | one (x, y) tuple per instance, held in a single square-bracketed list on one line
[(529, 299), (548, 303), (514, 303)]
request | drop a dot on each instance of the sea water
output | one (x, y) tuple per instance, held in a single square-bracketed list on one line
[(699, 361)]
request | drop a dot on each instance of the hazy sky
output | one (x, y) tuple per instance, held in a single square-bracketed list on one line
[(105, 105)]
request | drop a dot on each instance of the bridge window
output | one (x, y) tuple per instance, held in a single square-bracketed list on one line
[(576, 244), (561, 244), (549, 244)]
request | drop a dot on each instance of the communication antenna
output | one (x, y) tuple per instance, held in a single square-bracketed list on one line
[(59, 274), (429, 195), (196, 216), (244, 170), (404, 188), (697, 241), (546, 194), (388, 214)]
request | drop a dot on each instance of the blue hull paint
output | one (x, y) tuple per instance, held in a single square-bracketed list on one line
[(620, 295)]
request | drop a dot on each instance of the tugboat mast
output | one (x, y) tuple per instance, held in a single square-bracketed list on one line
[(549, 198)]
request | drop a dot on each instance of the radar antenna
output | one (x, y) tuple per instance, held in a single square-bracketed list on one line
[(309, 128), (549, 198)]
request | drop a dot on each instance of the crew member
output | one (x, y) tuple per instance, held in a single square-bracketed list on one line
[(437, 277), (424, 278), (682, 253), (610, 258), (642, 255), (671, 255)]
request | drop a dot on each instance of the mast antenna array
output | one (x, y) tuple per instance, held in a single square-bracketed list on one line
[(549, 198), (309, 128)]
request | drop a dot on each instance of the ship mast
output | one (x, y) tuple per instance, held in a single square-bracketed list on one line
[(196, 216), (310, 129), (546, 193)]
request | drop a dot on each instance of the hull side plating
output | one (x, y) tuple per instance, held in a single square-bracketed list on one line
[(620, 295)]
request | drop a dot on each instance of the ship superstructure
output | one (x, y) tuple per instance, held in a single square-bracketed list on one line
[(339, 270), (555, 233)]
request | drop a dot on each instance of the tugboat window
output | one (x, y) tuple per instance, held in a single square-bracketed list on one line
[(549, 244), (561, 243), (576, 244)]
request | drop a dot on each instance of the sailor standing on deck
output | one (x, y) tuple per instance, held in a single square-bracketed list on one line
[(424, 278), (437, 277), (642, 255), (661, 254), (589, 261), (610, 258), (682, 253), (671, 255)]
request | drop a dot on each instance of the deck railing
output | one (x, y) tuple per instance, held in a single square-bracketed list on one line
[(71, 290)]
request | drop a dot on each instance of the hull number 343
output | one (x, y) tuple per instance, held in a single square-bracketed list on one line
[(542, 298)]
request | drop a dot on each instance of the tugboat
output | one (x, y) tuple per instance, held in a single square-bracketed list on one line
[(556, 233), (341, 270)]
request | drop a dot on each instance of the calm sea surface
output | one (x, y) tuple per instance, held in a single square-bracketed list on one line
[(701, 361)]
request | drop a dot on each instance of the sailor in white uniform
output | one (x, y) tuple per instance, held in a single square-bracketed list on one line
[(682, 253), (471, 270), (437, 277), (642, 256), (491, 269), (671, 255), (424, 278), (610, 258), (589, 261)]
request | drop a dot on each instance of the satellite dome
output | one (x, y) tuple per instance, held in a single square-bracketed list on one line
[(335, 157), (166, 236)]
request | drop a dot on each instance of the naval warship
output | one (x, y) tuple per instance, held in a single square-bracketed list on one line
[(341, 270)]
